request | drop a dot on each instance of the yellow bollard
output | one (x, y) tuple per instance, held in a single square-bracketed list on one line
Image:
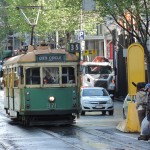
[(131, 124), (136, 73)]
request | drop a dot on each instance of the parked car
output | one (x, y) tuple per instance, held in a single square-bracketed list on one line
[(96, 99), (127, 100)]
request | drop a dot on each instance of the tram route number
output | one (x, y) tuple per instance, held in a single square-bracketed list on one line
[(74, 47)]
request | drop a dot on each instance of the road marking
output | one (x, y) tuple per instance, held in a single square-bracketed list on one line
[(121, 134)]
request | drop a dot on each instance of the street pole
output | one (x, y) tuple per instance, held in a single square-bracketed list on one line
[(82, 42), (32, 34), (57, 40), (13, 41)]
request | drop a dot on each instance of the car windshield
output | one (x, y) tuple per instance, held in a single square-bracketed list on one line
[(98, 69), (94, 92)]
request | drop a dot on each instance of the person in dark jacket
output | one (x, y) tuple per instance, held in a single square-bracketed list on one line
[(145, 127), (48, 79), (141, 99)]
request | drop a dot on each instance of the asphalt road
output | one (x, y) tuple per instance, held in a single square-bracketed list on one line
[(91, 132)]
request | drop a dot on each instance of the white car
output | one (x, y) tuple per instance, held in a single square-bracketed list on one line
[(96, 99), (127, 100)]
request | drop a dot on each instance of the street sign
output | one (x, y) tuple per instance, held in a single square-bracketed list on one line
[(89, 52), (94, 52), (74, 47), (86, 52), (82, 45), (81, 35)]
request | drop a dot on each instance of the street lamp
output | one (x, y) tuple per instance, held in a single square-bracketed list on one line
[(30, 20)]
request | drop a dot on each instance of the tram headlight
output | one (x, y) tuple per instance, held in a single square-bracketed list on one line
[(74, 95), (51, 98), (27, 93), (27, 96)]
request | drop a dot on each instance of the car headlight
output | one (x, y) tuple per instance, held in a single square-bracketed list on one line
[(109, 101)]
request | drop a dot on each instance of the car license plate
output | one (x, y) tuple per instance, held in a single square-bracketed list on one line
[(99, 106)]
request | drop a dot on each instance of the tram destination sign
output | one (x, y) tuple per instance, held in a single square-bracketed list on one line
[(51, 58)]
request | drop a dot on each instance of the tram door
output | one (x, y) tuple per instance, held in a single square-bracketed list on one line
[(11, 93), (6, 87)]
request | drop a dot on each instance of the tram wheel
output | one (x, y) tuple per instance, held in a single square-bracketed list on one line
[(83, 113), (14, 119), (26, 121)]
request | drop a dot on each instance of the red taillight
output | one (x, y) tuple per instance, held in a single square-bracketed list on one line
[(84, 86), (113, 81)]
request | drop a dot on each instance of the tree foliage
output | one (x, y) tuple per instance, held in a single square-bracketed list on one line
[(133, 16), (4, 27), (61, 15)]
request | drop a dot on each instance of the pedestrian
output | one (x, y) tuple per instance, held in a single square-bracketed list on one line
[(141, 99), (48, 79), (145, 127)]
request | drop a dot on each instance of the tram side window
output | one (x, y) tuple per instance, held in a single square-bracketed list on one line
[(50, 75), (33, 76), (16, 80), (68, 75)]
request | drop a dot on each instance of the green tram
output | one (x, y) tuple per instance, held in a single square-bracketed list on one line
[(32, 100)]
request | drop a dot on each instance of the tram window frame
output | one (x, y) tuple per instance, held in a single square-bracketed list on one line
[(6, 80), (16, 77), (68, 76), (9, 76), (32, 78), (53, 73)]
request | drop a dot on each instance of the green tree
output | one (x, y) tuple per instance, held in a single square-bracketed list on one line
[(133, 16), (62, 16), (4, 26)]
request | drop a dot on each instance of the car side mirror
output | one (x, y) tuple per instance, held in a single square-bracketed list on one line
[(111, 95)]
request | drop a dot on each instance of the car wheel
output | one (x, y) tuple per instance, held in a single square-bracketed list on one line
[(111, 112), (104, 112), (83, 113)]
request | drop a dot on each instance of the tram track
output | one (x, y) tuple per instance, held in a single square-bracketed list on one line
[(72, 136), (60, 138), (5, 146), (113, 140)]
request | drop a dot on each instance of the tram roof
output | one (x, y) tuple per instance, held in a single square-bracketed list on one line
[(30, 56)]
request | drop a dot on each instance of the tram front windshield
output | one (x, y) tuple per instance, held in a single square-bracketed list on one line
[(50, 75), (98, 69)]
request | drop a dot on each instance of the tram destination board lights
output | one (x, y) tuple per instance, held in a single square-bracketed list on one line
[(51, 58)]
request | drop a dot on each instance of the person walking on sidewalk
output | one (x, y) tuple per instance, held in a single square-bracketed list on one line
[(145, 126), (141, 99)]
